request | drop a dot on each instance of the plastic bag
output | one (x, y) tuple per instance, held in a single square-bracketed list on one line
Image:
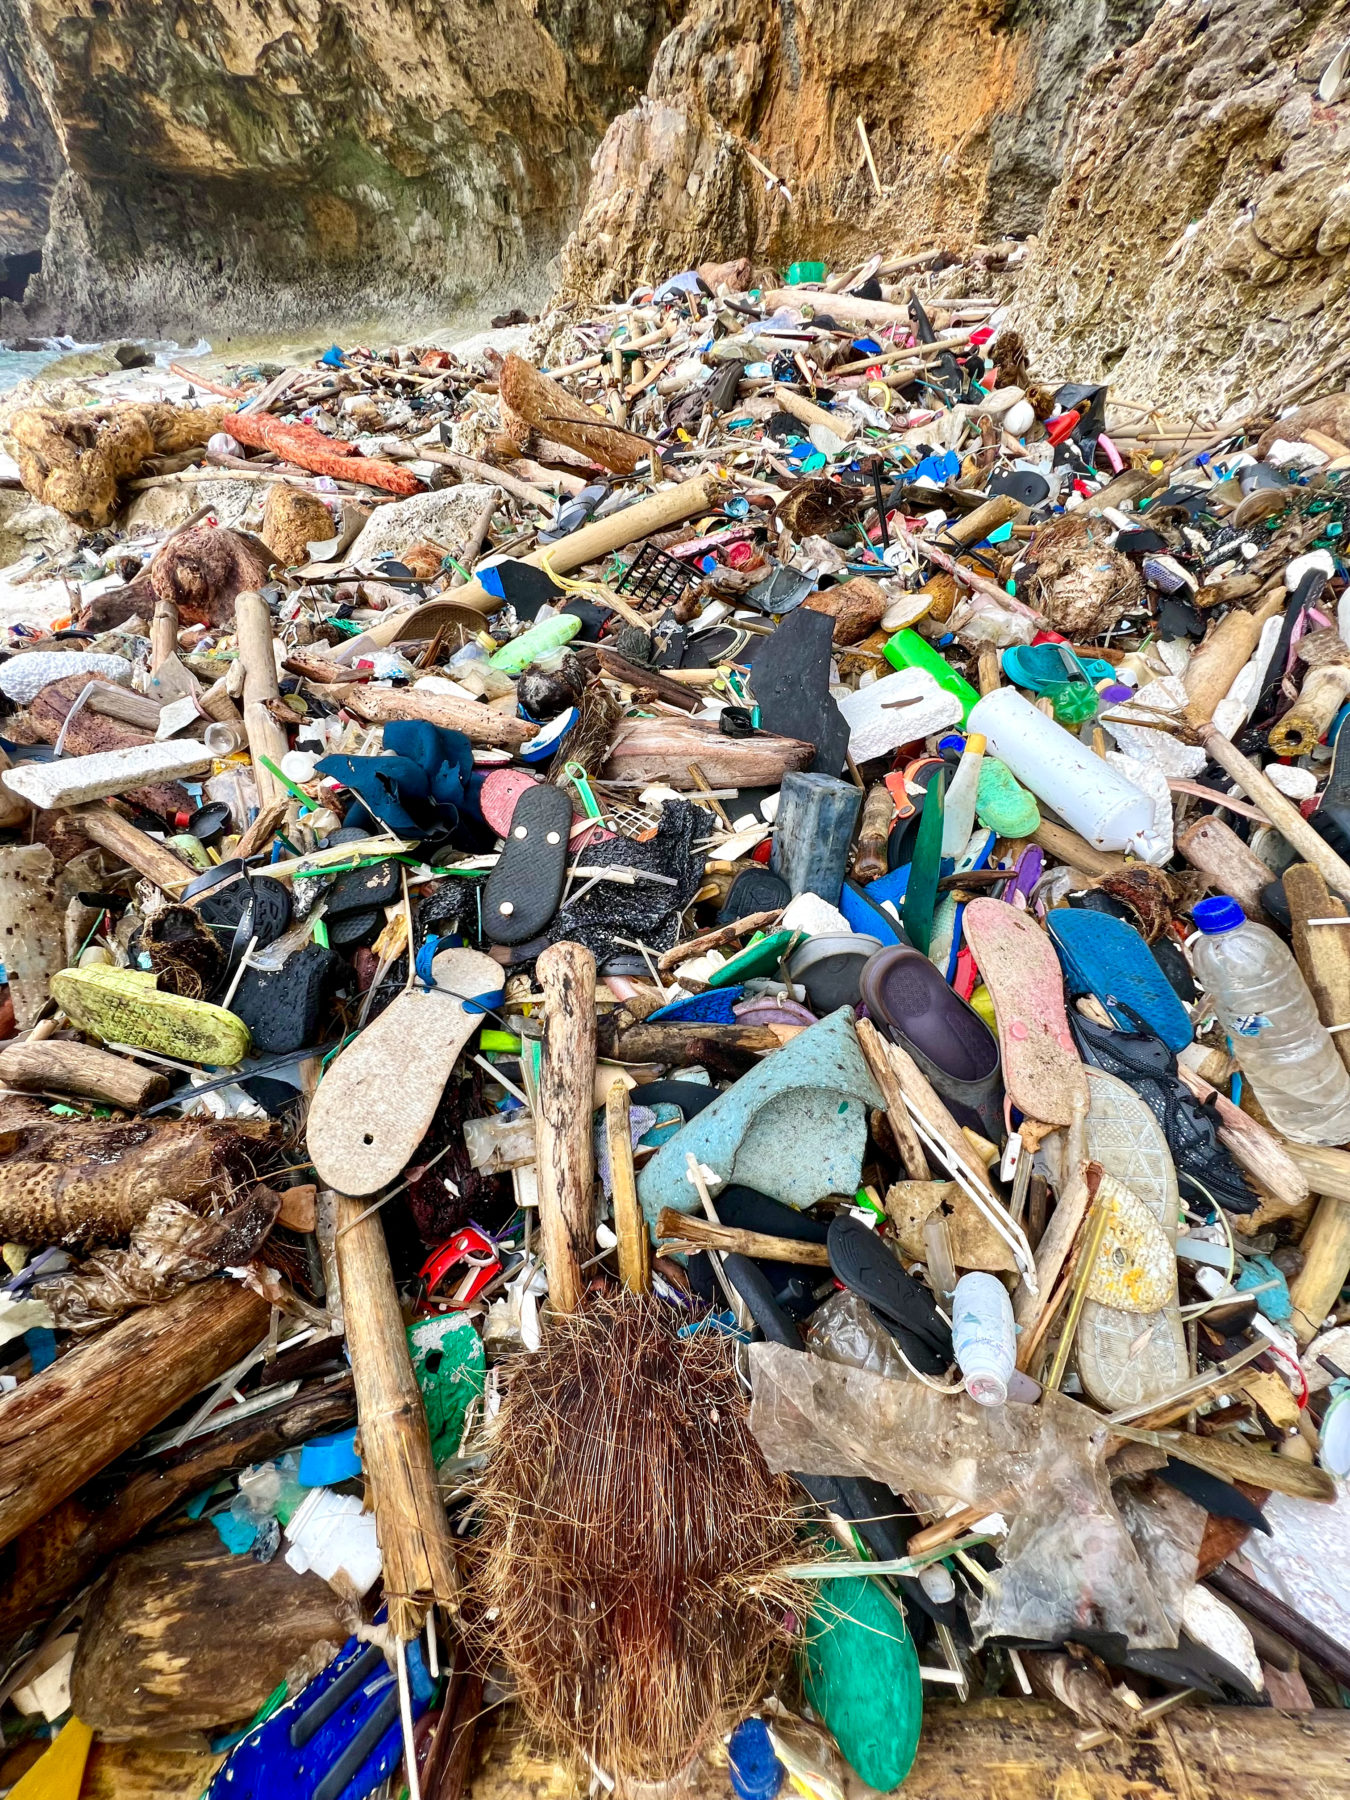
[(845, 1330), (1068, 1563)]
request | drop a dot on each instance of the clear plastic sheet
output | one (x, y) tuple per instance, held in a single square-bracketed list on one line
[(1166, 1528), (1068, 1563)]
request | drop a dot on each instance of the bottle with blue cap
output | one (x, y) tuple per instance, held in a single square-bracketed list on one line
[(1264, 1005)]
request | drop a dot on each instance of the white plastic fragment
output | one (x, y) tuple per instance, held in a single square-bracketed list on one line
[(78, 778)]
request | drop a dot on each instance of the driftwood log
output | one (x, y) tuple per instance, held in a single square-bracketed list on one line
[(410, 1522), (62, 1426), (183, 1636), (53, 1066), (629, 1224), (480, 724), (106, 827), (51, 1559), (266, 734), (549, 408), (564, 1155), (661, 749), (32, 934)]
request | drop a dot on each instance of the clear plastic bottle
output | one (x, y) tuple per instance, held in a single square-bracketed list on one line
[(1280, 1044), (984, 1337)]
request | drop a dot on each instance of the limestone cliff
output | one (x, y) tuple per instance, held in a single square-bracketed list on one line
[(264, 164), (965, 104), (1198, 248)]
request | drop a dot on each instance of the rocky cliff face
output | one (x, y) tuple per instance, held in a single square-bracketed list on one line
[(964, 103), (1198, 248), (276, 163)]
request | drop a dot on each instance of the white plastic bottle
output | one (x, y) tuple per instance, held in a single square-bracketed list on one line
[(984, 1336), (1090, 797), (1280, 1044), (958, 812)]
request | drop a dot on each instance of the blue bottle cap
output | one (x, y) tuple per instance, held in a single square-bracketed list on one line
[(756, 1773), (1219, 914)]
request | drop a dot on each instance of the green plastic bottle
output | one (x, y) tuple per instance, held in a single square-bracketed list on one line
[(907, 650), (536, 642)]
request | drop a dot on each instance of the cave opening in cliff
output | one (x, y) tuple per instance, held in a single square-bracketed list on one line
[(16, 271)]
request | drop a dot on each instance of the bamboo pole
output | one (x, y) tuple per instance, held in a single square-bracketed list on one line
[(565, 1159), (1326, 1264), (163, 632), (410, 1522), (843, 425), (629, 1224), (671, 506), (266, 737), (64, 1425)]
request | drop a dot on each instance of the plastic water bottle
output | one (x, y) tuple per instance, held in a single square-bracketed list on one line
[(984, 1337), (1280, 1044)]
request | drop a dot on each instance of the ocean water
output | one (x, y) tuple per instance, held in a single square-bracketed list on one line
[(20, 365)]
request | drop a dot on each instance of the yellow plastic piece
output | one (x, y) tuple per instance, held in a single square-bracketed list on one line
[(983, 1002), (58, 1774)]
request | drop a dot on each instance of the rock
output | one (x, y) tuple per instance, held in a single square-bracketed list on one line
[(292, 520), (1330, 415), (160, 509), (856, 607), (424, 153), (673, 185), (444, 515), (26, 525), (1201, 177)]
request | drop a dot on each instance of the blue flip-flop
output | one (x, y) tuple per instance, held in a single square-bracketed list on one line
[(1107, 958)]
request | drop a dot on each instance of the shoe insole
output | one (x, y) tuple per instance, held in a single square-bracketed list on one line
[(282, 1007), (373, 1107), (524, 889)]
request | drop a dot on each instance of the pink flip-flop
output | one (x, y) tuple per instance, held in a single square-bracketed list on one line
[(1042, 1072)]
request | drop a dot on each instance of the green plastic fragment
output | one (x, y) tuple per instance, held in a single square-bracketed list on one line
[(862, 1678), (926, 868), (447, 1359), (759, 958), (1002, 804)]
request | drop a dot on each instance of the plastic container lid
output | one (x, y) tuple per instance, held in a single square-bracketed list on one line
[(324, 1461), (1219, 914)]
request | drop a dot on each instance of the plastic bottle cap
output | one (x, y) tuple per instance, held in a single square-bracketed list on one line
[(975, 744), (1219, 914), (987, 1389)]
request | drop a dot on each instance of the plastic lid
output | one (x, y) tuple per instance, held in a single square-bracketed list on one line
[(1219, 914), (756, 1773)]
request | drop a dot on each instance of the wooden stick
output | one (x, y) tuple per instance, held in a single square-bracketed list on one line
[(1067, 846), (1053, 1250), (1282, 813), (120, 838), (867, 152), (549, 408), (1218, 852), (62, 1068), (681, 1231), (906, 1138), (480, 471), (472, 547), (163, 632), (410, 1522), (480, 724), (565, 1159), (62, 1426), (714, 940), (1327, 1171), (266, 736), (1326, 1264), (1308, 1639), (634, 1242), (843, 425)]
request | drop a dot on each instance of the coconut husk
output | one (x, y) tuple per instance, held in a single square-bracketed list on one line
[(815, 506), (632, 1542), (292, 520), (74, 460), (856, 606), (201, 572), (1082, 586), (1151, 895)]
